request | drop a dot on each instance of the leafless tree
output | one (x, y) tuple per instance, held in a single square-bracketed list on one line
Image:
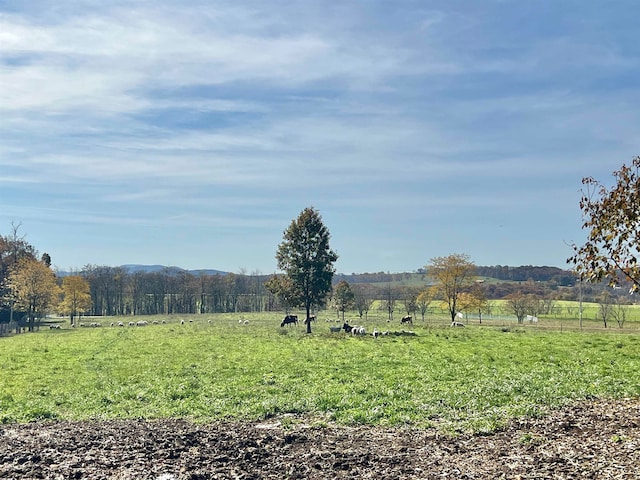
[(620, 312), (363, 299), (605, 308)]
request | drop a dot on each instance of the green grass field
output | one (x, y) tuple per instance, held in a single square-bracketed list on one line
[(216, 368)]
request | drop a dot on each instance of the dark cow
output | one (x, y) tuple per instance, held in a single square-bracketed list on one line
[(347, 328), (406, 319), (312, 318), (289, 319)]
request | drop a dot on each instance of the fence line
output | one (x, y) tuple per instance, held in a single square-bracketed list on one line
[(7, 328)]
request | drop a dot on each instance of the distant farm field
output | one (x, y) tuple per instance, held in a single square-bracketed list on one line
[(244, 366)]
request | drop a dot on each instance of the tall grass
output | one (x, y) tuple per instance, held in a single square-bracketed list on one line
[(456, 379)]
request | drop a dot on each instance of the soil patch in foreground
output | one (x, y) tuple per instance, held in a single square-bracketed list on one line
[(598, 440)]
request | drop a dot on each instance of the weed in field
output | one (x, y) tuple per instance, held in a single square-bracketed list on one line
[(531, 439)]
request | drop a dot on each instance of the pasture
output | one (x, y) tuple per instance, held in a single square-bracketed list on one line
[(246, 367)]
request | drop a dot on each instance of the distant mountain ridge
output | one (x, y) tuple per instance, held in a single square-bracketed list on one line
[(499, 272), (134, 268)]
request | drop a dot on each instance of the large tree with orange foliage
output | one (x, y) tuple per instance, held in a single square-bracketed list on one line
[(33, 288)]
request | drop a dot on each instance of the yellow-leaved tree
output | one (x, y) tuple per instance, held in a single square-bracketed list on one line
[(473, 301), (76, 297), (454, 274), (33, 288)]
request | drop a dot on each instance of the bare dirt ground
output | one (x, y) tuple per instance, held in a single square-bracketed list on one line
[(595, 440)]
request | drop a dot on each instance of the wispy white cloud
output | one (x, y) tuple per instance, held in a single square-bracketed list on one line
[(104, 62)]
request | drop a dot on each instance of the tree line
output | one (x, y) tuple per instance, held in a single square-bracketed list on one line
[(115, 291), (523, 273)]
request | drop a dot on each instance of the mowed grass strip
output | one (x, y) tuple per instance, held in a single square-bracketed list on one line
[(471, 379)]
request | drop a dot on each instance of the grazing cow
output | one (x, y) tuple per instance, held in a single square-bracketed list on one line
[(335, 329), (406, 319), (346, 327), (289, 319), (312, 318)]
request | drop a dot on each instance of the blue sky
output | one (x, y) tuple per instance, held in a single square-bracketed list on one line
[(192, 133)]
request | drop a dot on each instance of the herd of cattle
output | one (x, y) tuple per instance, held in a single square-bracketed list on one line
[(293, 320), (357, 329), (352, 329)]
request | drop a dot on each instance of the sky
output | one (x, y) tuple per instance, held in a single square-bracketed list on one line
[(192, 133)]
